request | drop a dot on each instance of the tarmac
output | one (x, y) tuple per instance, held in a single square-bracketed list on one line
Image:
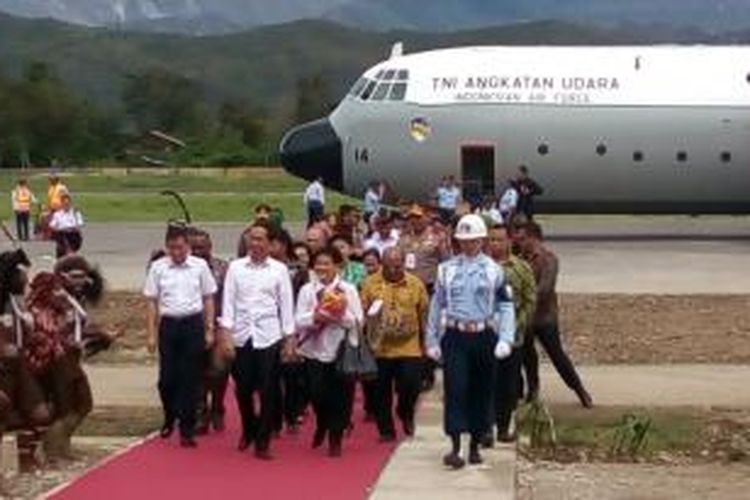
[(598, 254)]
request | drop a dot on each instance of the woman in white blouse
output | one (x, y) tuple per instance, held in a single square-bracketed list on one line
[(328, 311), (66, 224)]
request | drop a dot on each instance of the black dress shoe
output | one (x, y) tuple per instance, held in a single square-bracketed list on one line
[(188, 442), (475, 458), (166, 430), (319, 437), (245, 442), (263, 454), (454, 461)]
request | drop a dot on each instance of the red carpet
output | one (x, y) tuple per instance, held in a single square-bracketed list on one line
[(161, 469)]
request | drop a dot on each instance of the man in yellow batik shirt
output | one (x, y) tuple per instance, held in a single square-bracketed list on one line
[(396, 305)]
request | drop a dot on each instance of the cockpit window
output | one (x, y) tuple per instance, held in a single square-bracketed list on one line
[(398, 92), (386, 85), (357, 87), (368, 90), (381, 92)]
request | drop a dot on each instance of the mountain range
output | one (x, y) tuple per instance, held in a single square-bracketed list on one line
[(202, 17)]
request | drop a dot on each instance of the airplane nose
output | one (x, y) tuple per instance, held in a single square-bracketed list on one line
[(313, 150)]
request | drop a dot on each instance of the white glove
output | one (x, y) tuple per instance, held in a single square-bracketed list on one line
[(434, 353), (502, 350)]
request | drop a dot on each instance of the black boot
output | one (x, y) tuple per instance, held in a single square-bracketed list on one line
[(453, 459)]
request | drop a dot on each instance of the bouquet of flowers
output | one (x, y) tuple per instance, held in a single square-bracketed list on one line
[(331, 304)]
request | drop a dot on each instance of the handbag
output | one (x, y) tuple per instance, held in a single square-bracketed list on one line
[(354, 358)]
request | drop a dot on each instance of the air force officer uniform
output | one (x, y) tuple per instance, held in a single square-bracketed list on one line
[(471, 322)]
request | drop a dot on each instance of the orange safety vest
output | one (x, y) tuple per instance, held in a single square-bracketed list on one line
[(22, 199), (54, 196)]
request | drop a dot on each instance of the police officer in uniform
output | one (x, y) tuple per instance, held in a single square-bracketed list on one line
[(471, 322)]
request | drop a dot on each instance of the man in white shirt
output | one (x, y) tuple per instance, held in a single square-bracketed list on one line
[(509, 203), (66, 224), (373, 199), (180, 289), (385, 236), (258, 312), (315, 201)]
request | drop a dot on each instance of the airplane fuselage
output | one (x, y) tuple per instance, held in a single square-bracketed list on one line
[(624, 130)]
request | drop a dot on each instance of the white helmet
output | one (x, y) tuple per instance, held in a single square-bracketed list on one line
[(471, 227)]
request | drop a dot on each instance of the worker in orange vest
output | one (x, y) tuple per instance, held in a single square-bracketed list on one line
[(23, 198), (55, 193)]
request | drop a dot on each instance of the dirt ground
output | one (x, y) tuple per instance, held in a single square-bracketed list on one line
[(598, 329), (692, 454), (657, 329), (35, 484), (554, 481)]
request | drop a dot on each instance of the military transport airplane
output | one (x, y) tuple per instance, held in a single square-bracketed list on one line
[(657, 129)]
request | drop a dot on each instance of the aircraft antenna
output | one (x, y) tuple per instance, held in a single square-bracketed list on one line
[(397, 50)]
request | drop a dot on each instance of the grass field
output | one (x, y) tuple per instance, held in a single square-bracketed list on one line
[(135, 197)]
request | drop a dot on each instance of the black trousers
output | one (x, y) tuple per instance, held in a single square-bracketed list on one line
[(22, 226), (315, 212), (446, 215), (67, 242), (181, 348), (291, 395), (330, 395), (404, 376), (257, 371), (369, 396), (507, 388), (549, 337), (212, 390), (468, 366)]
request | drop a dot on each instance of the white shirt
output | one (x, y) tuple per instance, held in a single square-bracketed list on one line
[(323, 345), (315, 192), (65, 220), (258, 302), (448, 197), (492, 213), (509, 201), (372, 202), (382, 244), (179, 288)]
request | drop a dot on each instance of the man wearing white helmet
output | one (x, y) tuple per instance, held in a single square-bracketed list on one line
[(471, 322)]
